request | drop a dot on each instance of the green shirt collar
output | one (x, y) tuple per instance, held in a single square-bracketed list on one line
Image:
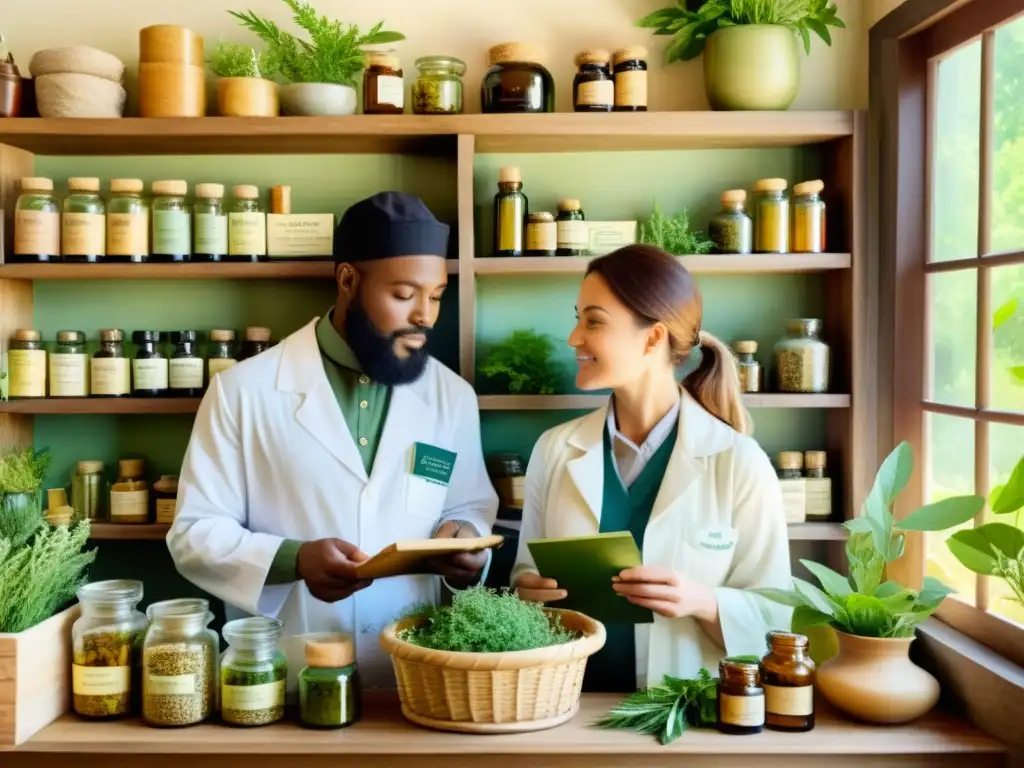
[(333, 346)]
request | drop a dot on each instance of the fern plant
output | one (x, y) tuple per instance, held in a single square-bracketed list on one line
[(332, 54), (523, 362), (673, 233), (236, 60)]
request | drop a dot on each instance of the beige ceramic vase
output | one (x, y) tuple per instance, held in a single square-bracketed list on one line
[(874, 680)]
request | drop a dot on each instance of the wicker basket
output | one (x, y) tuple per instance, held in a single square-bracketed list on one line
[(493, 692)]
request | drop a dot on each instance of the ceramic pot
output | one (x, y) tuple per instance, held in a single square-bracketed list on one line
[(246, 97), (874, 680), (751, 66), (318, 99)]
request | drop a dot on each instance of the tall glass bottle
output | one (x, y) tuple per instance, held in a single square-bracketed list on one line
[(510, 210), (787, 675)]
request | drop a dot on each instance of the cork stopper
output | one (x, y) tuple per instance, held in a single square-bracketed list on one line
[(27, 334), (542, 216), (36, 184), (166, 484), (734, 196), (68, 337), (84, 184), (175, 188), (593, 56), (629, 54), (790, 460), (569, 204), (331, 651), (257, 333), (744, 347), (131, 467), (385, 59), (133, 186), (814, 459), (770, 185), (510, 174), (111, 334), (222, 335), (88, 467), (814, 187), (207, 190), (281, 199), (506, 53), (246, 192)]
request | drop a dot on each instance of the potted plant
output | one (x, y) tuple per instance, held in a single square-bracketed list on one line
[(750, 51), (320, 73), (673, 233), (872, 676), (522, 362), (22, 472), (245, 87), (491, 662)]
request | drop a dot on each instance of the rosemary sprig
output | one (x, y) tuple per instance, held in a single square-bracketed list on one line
[(667, 709)]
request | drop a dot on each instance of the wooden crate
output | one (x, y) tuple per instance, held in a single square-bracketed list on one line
[(35, 677)]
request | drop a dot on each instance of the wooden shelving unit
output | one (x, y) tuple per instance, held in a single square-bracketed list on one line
[(274, 270), (701, 264)]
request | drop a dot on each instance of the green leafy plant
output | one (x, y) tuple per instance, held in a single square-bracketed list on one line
[(862, 604), (236, 60), (673, 233), (21, 477), (23, 470), (523, 360), (690, 22), (482, 620), (667, 709), (332, 54)]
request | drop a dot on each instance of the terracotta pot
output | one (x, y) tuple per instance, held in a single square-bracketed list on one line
[(752, 66), (246, 97), (874, 680)]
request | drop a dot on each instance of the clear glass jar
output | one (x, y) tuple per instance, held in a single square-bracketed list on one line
[(26, 365), (247, 226), (515, 80), (257, 340), (221, 354), (252, 672), (630, 72), (186, 366), (106, 642), (69, 366), (87, 496), (571, 228), (127, 222), (740, 697), (129, 496), (110, 373), (383, 86), (36, 223), (802, 359), (593, 88), (808, 226), (149, 368), (330, 694), (209, 223), (179, 663), (771, 216), (731, 229), (83, 224), (790, 465), (747, 367), (438, 89), (787, 675), (172, 224)]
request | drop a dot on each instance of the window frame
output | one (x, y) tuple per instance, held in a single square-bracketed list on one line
[(904, 51)]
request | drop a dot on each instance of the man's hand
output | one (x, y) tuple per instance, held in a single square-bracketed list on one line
[(328, 568), (463, 569), (667, 593), (537, 589)]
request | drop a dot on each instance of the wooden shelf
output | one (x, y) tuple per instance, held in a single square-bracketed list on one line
[(271, 270), (589, 402), (127, 532), (817, 531), (102, 405), (557, 132), (700, 264)]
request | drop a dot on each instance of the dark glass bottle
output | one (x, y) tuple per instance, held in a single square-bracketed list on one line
[(630, 79), (256, 340), (593, 89), (149, 368), (571, 228), (787, 675), (186, 367), (510, 210), (740, 697), (109, 372), (383, 87), (516, 82)]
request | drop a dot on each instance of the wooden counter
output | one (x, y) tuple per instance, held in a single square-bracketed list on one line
[(384, 738)]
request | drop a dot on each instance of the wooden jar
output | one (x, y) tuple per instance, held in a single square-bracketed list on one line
[(247, 97), (172, 82)]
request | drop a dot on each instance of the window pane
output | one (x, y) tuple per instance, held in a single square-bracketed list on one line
[(955, 156), (950, 468), (1006, 446), (1008, 338), (953, 299), (1008, 139)]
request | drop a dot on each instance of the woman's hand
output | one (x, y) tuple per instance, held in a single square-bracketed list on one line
[(667, 593), (535, 588)]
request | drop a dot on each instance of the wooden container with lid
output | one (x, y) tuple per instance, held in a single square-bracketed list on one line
[(171, 78), (170, 44)]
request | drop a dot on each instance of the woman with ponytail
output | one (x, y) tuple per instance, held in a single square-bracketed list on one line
[(670, 462)]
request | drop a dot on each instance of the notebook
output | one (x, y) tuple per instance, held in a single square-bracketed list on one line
[(408, 557)]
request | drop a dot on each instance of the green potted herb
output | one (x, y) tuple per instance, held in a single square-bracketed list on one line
[(522, 364), (22, 472), (751, 60), (673, 233), (245, 87), (320, 73)]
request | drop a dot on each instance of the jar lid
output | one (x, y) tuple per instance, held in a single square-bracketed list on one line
[(166, 484), (629, 54), (457, 66), (524, 53), (36, 184), (569, 204), (281, 199), (83, 184), (790, 460), (770, 185), (809, 187), (593, 56), (174, 188), (734, 196), (739, 665), (127, 185), (781, 639), (246, 192), (806, 326), (70, 337), (814, 459), (111, 591), (330, 650), (179, 337), (27, 334), (385, 59), (222, 335), (541, 216), (257, 333), (180, 609), (207, 190), (252, 630), (111, 334), (744, 347), (88, 467), (131, 467), (510, 174)]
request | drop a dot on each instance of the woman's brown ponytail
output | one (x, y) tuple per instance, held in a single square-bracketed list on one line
[(716, 384)]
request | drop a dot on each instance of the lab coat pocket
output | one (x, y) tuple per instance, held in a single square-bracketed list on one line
[(707, 552), (424, 499)]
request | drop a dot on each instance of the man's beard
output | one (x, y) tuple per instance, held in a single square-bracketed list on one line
[(375, 351)]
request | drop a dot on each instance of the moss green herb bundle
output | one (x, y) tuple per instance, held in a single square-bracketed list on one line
[(523, 359), (235, 60), (673, 233), (667, 709), (482, 620)]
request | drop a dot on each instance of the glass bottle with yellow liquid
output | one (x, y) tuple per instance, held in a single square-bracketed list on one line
[(510, 210)]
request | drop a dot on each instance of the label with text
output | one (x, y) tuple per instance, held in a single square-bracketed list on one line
[(744, 711), (100, 681), (170, 685), (433, 464), (792, 701), (250, 698)]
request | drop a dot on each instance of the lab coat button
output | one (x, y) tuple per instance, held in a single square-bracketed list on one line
[(363, 441), (363, 404), (364, 379)]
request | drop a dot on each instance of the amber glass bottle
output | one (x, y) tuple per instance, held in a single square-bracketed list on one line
[(787, 675), (383, 87), (740, 697), (593, 89)]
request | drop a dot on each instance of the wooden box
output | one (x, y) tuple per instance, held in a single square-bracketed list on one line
[(35, 677)]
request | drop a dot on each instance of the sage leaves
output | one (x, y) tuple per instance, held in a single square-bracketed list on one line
[(667, 709)]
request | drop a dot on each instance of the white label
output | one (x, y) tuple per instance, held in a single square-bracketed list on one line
[(572, 234), (819, 497), (170, 685), (596, 93), (247, 234), (110, 376), (796, 702), (390, 90), (250, 698), (165, 510), (27, 370), (794, 500), (84, 234), (129, 504), (541, 236), (150, 374), (745, 711), (36, 233), (186, 373), (211, 234), (68, 376), (218, 364), (631, 88), (100, 681)]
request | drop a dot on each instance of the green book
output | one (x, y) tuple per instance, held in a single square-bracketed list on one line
[(584, 567)]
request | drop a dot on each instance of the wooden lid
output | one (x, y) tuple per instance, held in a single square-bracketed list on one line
[(111, 334), (814, 459), (222, 335), (27, 334), (569, 204), (330, 650), (744, 347), (541, 216), (257, 333), (770, 185), (593, 56), (520, 52), (246, 192), (734, 196), (386, 59), (209, 190), (131, 467), (281, 199), (84, 184), (170, 44), (628, 54), (790, 460), (175, 188), (809, 187), (37, 184), (126, 185), (510, 173), (88, 467)]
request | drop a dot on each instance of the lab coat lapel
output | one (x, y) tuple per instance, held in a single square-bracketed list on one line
[(409, 420), (587, 469)]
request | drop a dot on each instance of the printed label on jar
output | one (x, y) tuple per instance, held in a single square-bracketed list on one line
[(165, 510), (631, 89), (211, 234), (744, 711), (218, 364), (150, 374), (247, 234), (27, 371), (249, 698), (541, 236), (127, 234), (36, 233), (186, 373), (170, 685), (100, 681), (67, 376), (171, 233), (793, 701), (84, 234), (129, 504), (572, 234), (390, 90), (596, 93), (110, 376)]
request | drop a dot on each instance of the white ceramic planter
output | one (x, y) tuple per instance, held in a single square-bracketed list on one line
[(317, 99)]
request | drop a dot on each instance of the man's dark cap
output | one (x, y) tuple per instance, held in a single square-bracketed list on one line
[(386, 225)]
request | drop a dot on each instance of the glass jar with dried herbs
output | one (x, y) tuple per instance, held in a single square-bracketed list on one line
[(179, 663), (252, 672), (36, 222), (747, 367), (83, 224), (330, 695), (438, 89), (127, 222), (209, 224), (802, 359), (172, 224), (731, 229), (106, 642), (69, 364), (247, 226)]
